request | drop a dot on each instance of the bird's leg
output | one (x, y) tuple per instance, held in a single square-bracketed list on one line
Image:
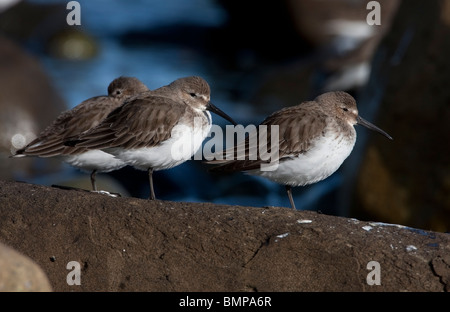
[(150, 178), (289, 193), (94, 185)]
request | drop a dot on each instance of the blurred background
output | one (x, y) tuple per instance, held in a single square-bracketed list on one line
[(258, 56)]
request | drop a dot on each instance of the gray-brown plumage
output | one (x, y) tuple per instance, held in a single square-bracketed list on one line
[(80, 119), (141, 132), (314, 138)]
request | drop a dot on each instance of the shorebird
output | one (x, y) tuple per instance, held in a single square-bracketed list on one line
[(159, 129), (81, 118), (315, 137)]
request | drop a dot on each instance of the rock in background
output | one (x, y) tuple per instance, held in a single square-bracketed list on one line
[(129, 244), (20, 273), (409, 182)]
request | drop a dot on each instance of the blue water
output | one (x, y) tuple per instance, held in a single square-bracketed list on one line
[(157, 64)]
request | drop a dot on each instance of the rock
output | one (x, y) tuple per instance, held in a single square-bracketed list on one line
[(130, 244), (409, 182), (44, 29), (73, 45), (341, 27), (28, 104), (19, 273)]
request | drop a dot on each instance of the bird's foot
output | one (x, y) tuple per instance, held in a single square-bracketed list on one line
[(108, 193)]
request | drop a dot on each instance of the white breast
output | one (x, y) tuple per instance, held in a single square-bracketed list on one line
[(322, 160), (183, 143)]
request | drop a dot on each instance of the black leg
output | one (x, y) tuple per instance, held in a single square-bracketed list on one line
[(94, 185), (150, 178), (289, 193)]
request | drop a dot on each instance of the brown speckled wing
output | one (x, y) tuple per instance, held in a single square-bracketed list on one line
[(74, 122), (298, 127), (156, 117)]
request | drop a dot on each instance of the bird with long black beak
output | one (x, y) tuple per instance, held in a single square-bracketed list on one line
[(314, 138), (157, 130)]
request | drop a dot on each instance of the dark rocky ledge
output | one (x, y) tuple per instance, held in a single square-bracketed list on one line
[(129, 244)]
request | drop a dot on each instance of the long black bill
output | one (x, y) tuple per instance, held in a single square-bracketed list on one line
[(361, 121), (219, 112)]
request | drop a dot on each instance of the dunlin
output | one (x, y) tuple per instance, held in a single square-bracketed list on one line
[(150, 132), (315, 138), (71, 123)]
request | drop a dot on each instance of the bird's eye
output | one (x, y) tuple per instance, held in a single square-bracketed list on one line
[(345, 109), (192, 94), (118, 92)]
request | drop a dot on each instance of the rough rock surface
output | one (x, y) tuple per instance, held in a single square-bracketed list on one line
[(130, 244), (19, 273)]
